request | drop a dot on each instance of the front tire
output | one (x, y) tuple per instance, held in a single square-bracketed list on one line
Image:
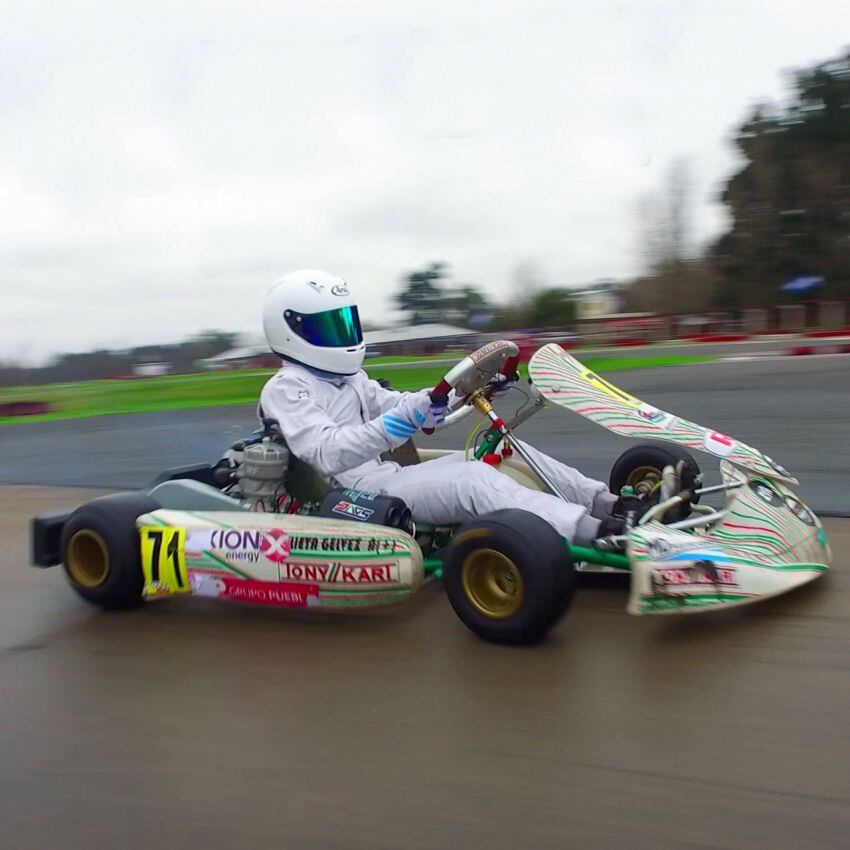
[(509, 576), (643, 464), (101, 552)]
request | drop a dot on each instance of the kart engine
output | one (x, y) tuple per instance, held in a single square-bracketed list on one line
[(256, 469), (261, 476)]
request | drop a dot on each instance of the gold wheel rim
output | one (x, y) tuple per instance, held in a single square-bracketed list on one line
[(492, 583), (641, 474), (87, 558)]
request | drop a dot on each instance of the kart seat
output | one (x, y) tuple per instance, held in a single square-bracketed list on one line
[(306, 485)]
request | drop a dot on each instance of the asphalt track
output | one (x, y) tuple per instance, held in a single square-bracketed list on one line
[(197, 723)]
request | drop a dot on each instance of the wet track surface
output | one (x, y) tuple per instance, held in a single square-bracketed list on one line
[(197, 723), (794, 409)]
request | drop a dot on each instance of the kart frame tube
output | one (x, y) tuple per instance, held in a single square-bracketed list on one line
[(434, 566)]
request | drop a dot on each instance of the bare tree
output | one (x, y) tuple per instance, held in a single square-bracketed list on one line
[(665, 220), (673, 274)]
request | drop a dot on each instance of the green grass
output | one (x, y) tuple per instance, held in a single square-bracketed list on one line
[(410, 358), (97, 398)]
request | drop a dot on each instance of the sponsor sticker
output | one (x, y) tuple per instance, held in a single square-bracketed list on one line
[(340, 289), (718, 444), (352, 510), (662, 547), (339, 573), (206, 584), (656, 416), (198, 540), (275, 545), (699, 573), (282, 594), (650, 413), (242, 545), (359, 495), (340, 544), (486, 350)]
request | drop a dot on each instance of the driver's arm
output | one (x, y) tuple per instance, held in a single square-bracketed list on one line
[(380, 399), (331, 448)]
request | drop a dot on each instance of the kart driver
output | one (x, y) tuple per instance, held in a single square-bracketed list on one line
[(339, 421)]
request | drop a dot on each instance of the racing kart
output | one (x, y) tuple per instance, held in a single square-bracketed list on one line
[(261, 527)]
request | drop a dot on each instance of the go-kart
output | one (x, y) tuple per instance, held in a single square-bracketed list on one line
[(260, 527)]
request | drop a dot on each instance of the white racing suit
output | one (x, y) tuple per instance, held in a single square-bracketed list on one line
[(336, 424)]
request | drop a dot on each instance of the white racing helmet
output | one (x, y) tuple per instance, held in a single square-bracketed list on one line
[(311, 317)]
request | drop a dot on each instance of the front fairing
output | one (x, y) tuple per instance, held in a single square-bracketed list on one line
[(768, 543), (566, 382)]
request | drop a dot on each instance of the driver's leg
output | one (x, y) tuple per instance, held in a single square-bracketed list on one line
[(449, 490), (578, 488)]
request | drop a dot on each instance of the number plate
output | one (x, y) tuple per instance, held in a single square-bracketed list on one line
[(163, 560)]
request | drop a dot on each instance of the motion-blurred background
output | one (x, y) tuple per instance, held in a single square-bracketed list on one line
[(651, 183), (605, 174)]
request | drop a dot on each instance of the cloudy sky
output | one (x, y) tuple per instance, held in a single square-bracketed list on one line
[(162, 163)]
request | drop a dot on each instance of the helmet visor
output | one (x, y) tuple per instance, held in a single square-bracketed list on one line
[(330, 328)]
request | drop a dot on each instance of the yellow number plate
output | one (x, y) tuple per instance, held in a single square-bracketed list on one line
[(609, 389), (164, 560)]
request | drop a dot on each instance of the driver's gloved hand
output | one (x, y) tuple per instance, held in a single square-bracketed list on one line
[(414, 411), (499, 384)]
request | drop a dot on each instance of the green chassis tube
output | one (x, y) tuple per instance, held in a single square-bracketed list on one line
[(434, 566)]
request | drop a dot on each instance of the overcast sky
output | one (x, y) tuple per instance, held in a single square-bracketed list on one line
[(162, 163)]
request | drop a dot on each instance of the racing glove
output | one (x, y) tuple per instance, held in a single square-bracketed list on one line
[(414, 411), (499, 384)]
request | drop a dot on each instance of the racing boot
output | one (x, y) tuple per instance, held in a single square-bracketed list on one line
[(625, 513)]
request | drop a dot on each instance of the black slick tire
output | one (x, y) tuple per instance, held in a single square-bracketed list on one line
[(101, 552), (509, 576)]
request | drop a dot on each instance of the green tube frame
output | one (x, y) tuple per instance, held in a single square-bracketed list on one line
[(434, 566)]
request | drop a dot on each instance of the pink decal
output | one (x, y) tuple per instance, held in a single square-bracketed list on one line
[(275, 545), (282, 594), (719, 444)]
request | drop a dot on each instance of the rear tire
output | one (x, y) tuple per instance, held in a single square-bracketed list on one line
[(101, 551), (509, 576)]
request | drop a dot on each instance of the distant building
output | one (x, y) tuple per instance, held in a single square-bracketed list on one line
[(150, 370), (599, 300), (415, 339), (253, 352)]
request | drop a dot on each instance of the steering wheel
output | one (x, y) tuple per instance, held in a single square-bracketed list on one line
[(474, 372)]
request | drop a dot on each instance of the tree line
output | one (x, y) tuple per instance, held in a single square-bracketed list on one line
[(788, 206), (182, 357), (789, 217)]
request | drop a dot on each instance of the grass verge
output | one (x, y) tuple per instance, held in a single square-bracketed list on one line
[(179, 392)]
